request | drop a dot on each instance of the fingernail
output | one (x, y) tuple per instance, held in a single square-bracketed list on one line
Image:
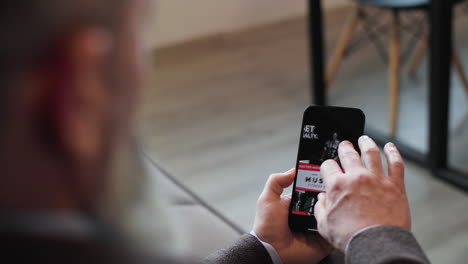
[(391, 145), (346, 142), (364, 138), (290, 170)]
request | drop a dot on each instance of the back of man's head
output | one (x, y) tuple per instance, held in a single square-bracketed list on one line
[(61, 62), (31, 31), (68, 82), (30, 28)]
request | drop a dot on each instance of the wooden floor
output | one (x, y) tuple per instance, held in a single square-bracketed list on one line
[(223, 113)]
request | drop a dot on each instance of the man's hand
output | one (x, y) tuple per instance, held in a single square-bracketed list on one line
[(363, 195), (271, 225)]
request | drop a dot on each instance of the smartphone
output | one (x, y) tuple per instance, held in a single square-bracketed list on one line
[(323, 129)]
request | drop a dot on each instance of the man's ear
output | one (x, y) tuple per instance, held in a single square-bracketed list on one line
[(79, 95)]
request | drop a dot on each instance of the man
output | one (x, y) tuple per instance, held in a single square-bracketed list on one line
[(330, 150), (70, 77)]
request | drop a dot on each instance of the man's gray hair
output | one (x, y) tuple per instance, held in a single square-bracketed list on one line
[(30, 27)]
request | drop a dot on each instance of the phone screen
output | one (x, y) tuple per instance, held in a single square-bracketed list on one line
[(323, 129)]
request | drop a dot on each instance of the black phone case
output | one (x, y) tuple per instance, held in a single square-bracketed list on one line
[(323, 128)]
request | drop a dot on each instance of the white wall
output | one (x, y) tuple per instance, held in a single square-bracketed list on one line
[(180, 20)]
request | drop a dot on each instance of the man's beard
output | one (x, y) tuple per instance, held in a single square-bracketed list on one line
[(136, 204)]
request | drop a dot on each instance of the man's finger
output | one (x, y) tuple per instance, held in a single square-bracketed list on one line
[(396, 165), (322, 197), (277, 182), (328, 171), (319, 209), (349, 157), (370, 154)]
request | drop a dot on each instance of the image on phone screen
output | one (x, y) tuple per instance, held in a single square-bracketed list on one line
[(322, 131)]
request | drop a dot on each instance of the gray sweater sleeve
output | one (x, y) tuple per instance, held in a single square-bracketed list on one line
[(246, 250), (385, 245)]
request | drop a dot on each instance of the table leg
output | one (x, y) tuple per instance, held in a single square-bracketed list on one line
[(317, 51), (441, 15)]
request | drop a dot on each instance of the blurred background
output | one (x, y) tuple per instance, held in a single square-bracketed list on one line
[(231, 80)]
